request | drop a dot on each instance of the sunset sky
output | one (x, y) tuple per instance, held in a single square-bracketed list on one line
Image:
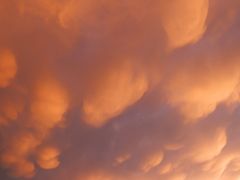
[(120, 89)]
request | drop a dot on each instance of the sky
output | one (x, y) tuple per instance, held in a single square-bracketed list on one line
[(119, 90)]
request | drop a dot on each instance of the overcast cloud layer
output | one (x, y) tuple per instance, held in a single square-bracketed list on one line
[(120, 90)]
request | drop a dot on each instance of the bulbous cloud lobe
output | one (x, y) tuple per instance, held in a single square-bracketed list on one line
[(184, 21), (118, 89), (198, 96)]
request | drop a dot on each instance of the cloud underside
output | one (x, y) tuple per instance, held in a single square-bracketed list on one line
[(105, 90)]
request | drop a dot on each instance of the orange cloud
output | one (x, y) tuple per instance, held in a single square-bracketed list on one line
[(118, 89), (173, 146), (198, 96), (8, 67), (48, 158), (122, 158), (49, 104), (167, 72), (10, 109), (43, 8), (179, 176), (152, 161), (98, 175), (165, 169), (184, 21), (206, 149), (16, 157)]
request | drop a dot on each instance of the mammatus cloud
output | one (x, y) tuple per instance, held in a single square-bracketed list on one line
[(208, 148), (8, 67), (48, 158), (184, 21), (198, 96), (108, 90), (49, 103), (118, 89)]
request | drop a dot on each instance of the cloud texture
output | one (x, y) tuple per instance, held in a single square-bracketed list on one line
[(115, 90)]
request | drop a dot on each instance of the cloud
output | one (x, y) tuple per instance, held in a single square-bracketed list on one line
[(152, 161), (114, 90), (48, 158), (165, 169), (122, 159), (11, 107), (208, 148), (98, 175), (118, 89), (16, 155), (184, 21), (46, 111), (8, 67), (197, 96), (49, 104)]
